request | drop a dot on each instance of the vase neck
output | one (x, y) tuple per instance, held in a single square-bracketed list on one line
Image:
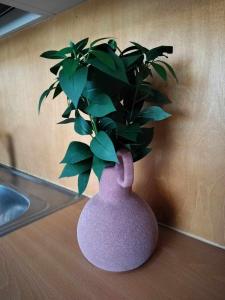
[(116, 182)]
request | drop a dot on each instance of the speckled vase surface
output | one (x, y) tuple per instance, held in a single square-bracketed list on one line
[(117, 231)]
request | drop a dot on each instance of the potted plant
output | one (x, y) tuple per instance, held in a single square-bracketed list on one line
[(111, 98)]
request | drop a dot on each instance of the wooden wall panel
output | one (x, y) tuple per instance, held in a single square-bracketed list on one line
[(184, 176)]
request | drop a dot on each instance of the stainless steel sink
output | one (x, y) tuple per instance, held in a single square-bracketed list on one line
[(12, 204), (25, 198)]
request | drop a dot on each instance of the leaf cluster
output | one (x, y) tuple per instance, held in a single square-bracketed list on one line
[(111, 98)]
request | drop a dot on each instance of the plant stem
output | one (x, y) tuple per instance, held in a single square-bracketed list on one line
[(134, 101), (92, 121), (118, 49), (93, 125)]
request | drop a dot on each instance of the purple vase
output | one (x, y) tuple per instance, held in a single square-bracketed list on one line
[(117, 231)]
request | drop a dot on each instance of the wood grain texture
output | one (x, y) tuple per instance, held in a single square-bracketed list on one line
[(184, 176), (43, 261)]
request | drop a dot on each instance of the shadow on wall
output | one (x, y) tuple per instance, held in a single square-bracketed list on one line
[(7, 142), (7, 146), (152, 180)]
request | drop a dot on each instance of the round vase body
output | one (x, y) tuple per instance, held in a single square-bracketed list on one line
[(117, 231)]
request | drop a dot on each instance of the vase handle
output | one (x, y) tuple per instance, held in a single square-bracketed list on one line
[(125, 169)]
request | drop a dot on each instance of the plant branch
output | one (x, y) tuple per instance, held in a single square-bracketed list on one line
[(93, 125)]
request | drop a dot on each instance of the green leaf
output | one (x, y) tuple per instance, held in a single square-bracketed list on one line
[(159, 51), (144, 92), (129, 132), (132, 60), (57, 91), (105, 58), (170, 69), (98, 40), (130, 49), (83, 181), (98, 166), (139, 152), (70, 66), (69, 120), (82, 126), (147, 93), (106, 83), (153, 113), (81, 44), (102, 147), (76, 152), (145, 136), (140, 47), (75, 169), (85, 51), (82, 104), (112, 43), (44, 95), (73, 46), (53, 54), (67, 112), (54, 69), (107, 123), (144, 71), (157, 97), (119, 73), (66, 50), (120, 68), (100, 104), (159, 70), (73, 85)]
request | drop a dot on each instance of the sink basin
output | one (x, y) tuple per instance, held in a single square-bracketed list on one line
[(12, 204), (25, 198)]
